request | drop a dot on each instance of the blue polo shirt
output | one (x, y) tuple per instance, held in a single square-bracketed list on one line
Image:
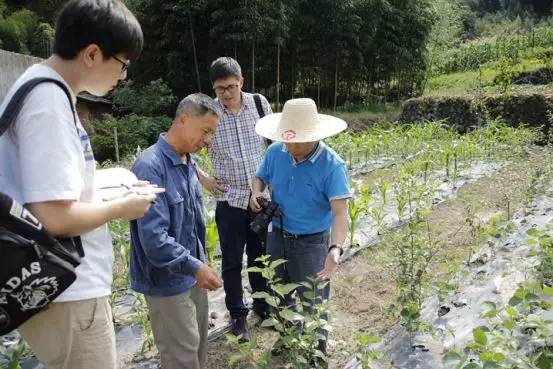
[(303, 190)]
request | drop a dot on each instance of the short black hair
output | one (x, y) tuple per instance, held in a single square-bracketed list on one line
[(106, 23), (224, 67)]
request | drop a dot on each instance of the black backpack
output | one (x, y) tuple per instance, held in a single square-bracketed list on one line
[(35, 267)]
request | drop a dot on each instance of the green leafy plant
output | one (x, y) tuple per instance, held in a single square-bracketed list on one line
[(142, 317), (212, 236), (378, 210), (413, 250), (244, 354), (14, 355), (498, 344), (120, 235), (358, 206), (367, 355), (299, 326)]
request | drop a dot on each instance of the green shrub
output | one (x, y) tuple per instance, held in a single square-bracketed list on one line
[(17, 30), (152, 99), (133, 131)]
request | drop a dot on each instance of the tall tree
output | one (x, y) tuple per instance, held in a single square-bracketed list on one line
[(278, 28), (171, 43)]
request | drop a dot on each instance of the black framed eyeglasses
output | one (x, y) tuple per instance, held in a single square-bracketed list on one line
[(124, 64), (230, 88)]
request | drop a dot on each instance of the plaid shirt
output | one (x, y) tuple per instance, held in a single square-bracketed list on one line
[(236, 150)]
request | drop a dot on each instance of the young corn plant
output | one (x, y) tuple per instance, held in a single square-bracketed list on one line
[(13, 356), (142, 317), (367, 356), (211, 236), (378, 211), (358, 205), (120, 234), (477, 232)]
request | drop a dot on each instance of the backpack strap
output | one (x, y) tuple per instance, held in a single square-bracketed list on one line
[(258, 105), (16, 103), (10, 114), (261, 113)]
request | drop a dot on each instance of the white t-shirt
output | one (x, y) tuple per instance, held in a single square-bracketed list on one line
[(44, 157)]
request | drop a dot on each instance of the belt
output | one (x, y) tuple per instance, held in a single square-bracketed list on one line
[(288, 235)]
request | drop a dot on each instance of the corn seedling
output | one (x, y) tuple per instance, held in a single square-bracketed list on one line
[(358, 205), (13, 356), (366, 355), (142, 317), (211, 236)]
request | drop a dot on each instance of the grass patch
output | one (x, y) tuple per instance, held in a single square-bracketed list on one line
[(362, 116), (481, 81)]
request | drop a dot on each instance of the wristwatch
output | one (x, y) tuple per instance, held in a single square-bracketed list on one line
[(336, 247)]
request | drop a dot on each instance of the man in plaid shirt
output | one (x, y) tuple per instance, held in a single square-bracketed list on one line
[(236, 152)]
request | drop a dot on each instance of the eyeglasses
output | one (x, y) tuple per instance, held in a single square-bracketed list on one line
[(230, 88), (124, 64)]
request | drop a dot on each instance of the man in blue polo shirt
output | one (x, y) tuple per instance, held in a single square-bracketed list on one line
[(309, 182), (168, 259)]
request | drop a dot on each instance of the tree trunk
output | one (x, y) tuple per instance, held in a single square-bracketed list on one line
[(336, 84), (319, 87), (293, 82), (194, 51), (116, 139), (253, 66), (278, 79)]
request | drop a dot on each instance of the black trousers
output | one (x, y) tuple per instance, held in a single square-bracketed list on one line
[(234, 234)]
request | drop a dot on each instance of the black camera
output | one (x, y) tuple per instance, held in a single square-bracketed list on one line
[(269, 210)]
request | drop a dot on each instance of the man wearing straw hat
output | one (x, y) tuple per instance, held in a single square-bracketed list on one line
[(309, 182)]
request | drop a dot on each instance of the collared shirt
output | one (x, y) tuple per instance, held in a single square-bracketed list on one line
[(168, 242), (304, 189), (236, 150)]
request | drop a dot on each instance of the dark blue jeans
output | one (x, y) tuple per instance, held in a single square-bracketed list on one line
[(305, 258), (234, 234)]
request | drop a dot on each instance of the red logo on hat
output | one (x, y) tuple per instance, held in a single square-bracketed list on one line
[(288, 135)]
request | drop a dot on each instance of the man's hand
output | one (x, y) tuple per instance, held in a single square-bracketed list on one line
[(254, 205), (133, 206), (207, 278), (213, 185), (331, 262)]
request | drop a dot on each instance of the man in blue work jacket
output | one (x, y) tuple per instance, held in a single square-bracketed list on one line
[(168, 259)]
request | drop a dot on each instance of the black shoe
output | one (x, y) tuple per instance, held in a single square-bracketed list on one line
[(318, 364), (276, 350), (263, 314), (240, 328)]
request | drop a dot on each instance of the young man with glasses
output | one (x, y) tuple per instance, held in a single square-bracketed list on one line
[(235, 152), (48, 165)]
